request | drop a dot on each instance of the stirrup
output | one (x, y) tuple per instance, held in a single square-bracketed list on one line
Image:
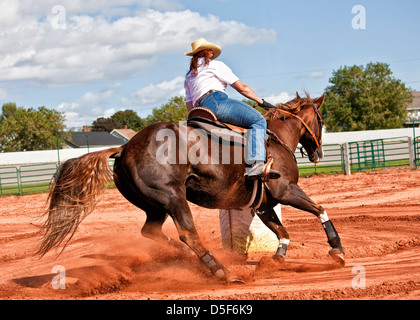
[(263, 172), (255, 171)]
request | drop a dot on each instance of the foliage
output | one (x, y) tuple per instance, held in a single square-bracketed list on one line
[(105, 124), (128, 118), (8, 110), (253, 104), (173, 111), (365, 98), (29, 129)]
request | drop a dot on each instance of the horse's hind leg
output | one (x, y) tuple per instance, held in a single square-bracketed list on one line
[(173, 201), (152, 229), (155, 217), (295, 197), (181, 214)]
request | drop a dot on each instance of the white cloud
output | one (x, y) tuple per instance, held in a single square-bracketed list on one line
[(89, 106), (40, 8), (109, 112), (96, 97), (110, 41), (95, 46), (76, 120), (155, 93), (316, 74), (77, 114), (311, 75), (279, 98)]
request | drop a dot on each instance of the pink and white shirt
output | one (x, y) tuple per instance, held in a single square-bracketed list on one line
[(215, 76)]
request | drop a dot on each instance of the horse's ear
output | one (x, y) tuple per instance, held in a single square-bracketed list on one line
[(320, 100), (297, 95)]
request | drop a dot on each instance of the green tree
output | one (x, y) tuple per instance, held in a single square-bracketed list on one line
[(365, 98), (173, 111), (105, 124), (252, 104), (128, 118), (8, 110), (29, 129)]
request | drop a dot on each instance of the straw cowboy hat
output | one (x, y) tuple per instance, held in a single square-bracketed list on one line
[(202, 44)]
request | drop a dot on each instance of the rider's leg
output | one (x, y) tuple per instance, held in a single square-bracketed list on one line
[(241, 114)]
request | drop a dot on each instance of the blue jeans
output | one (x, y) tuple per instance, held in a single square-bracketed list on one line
[(239, 113)]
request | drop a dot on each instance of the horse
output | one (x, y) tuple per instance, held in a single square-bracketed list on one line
[(164, 188)]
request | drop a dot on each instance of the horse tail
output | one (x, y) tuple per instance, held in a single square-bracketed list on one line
[(79, 185)]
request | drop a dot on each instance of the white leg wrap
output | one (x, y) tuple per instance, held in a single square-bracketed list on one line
[(323, 217), (284, 241), (281, 251)]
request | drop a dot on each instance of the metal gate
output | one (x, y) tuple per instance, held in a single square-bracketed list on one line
[(367, 154), (417, 151)]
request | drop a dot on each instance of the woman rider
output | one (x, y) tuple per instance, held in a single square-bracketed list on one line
[(205, 85)]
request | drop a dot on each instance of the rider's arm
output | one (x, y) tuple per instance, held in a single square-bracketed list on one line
[(246, 91)]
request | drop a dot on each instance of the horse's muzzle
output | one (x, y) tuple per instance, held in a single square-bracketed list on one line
[(317, 156)]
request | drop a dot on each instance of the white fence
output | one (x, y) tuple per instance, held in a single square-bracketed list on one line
[(45, 156)]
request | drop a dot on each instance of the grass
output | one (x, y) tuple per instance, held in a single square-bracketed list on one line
[(387, 164), (307, 171), (24, 189), (33, 188)]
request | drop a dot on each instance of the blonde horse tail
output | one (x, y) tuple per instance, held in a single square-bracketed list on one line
[(79, 185)]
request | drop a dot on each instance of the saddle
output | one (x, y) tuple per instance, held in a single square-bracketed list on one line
[(205, 119)]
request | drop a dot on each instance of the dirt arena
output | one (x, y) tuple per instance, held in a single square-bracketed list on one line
[(377, 215)]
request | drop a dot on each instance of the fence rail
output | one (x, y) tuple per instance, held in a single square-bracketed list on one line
[(9, 181), (362, 155), (381, 153), (417, 151), (26, 179), (333, 161), (338, 158)]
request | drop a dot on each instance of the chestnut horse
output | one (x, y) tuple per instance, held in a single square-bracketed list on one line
[(163, 188)]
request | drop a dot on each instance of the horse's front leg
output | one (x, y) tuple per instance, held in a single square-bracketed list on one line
[(271, 220), (296, 197)]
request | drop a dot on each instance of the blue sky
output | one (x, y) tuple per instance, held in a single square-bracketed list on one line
[(93, 58)]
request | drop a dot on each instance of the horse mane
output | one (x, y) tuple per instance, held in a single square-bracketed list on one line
[(292, 106)]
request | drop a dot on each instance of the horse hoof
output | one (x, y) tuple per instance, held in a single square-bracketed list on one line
[(338, 256), (220, 274), (278, 259), (235, 280)]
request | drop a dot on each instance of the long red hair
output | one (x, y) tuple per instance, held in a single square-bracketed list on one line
[(194, 61)]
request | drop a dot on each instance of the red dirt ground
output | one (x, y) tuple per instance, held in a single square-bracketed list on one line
[(377, 215)]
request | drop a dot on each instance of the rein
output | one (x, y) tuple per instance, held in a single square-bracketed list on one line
[(277, 139)]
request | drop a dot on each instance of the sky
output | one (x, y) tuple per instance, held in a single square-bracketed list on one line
[(91, 58)]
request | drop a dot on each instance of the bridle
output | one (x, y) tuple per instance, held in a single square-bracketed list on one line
[(318, 116)]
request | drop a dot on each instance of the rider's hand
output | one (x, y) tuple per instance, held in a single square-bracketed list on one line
[(266, 105)]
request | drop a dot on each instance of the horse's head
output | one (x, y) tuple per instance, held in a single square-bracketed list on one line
[(304, 111), (311, 140)]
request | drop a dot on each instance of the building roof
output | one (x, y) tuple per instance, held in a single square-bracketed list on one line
[(94, 139), (126, 133), (416, 101)]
